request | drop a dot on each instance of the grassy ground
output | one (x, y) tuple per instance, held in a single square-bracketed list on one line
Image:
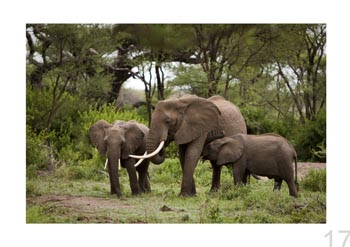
[(53, 198)]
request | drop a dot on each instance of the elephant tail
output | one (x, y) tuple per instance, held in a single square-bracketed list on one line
[(295, 158)]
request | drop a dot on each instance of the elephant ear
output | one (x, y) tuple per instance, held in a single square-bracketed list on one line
[(97, 136), (199, 117), (231, 151), (134, 138)]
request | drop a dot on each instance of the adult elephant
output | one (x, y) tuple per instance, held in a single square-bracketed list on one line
[(117, 142), (191, 122)]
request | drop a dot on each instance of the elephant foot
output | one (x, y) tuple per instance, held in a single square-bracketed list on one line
[(187, 194), (214, 189), (118, 194), (136, 192)]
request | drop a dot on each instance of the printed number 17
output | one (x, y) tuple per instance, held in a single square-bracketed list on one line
[(330, 234)]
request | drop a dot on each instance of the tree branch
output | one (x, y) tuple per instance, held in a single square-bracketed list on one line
[(295, 98)]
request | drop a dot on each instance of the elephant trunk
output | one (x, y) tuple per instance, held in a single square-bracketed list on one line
[(152, 143), (113, 161)]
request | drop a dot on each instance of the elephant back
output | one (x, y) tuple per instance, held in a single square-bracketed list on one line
[(231, 120)]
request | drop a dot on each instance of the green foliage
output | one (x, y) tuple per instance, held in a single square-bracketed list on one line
[(35, 153), (82, 168), (320, 151), (311, 135), (254, 203), (169, 171), (109, 113), (210, 211), (68, 137), (315, 181), (96, 88), (256, 120), (189, 79), (66, 121)]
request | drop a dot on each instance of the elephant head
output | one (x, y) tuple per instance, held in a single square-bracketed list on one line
[(181, 120), (116, 142), (224, 150)]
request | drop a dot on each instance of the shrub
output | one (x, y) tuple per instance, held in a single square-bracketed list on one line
[(309, 136), (108, 113), (315, 181), (36, 148), (75, 168), (255, 120)]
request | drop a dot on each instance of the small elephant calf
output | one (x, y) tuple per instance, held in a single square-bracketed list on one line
[(267, 155)]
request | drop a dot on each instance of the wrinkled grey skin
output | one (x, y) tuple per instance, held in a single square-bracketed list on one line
[(117, 141), (267, 155), (191, 122)]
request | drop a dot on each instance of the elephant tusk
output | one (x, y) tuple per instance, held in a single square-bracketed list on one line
[(140, 160), (106, 163), (149, 155), (119, 167)]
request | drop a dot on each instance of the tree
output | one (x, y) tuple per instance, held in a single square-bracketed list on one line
[(224, 51), (158, 43), (300, 58), (63, 60)]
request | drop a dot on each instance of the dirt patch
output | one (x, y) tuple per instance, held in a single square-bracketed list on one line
[(81, 202), (305, 167), (80, 209)]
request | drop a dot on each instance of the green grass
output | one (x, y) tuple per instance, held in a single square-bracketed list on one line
[(255, 203)]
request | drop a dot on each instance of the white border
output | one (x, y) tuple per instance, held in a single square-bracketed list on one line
[(15, 14)]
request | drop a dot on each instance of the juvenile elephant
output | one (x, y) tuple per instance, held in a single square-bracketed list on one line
[(191, 122), (116, 142), (267, 155)]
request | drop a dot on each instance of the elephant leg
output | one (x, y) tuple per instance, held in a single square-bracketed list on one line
[(239, 173), (182, 153), (147, 184), (134, 183), (215, 181), (292, 187), (278, 183), (114, 178), (144, 182), (191, 158), (246, 177)]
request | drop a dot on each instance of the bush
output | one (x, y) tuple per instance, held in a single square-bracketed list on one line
[(255, 120), (38, 106), (108, 113), (74, 167), (36, 150), (68, 138), (315, 181), (311, 135)]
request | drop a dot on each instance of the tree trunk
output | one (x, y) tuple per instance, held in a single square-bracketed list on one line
[(160, 82), (116, 87)]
